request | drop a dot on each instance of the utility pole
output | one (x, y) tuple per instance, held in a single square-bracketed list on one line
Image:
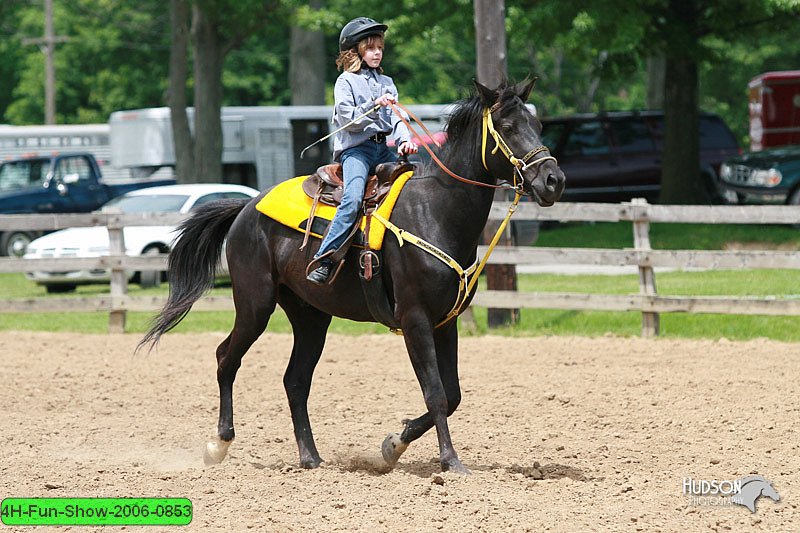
[(47, 44), (491, 67)]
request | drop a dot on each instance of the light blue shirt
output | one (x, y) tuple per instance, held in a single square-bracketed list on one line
[(355, 94)]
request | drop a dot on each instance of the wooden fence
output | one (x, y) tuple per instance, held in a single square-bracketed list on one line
[(641, 256)]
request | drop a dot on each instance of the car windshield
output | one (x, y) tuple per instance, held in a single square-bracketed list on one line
[(149, 203)]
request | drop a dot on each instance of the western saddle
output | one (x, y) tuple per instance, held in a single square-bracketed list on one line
[(326, 186)]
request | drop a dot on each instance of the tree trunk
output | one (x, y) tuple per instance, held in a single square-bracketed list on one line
[(680, 175), (490, 41), (307, 66), (656, 75), (208, 62), (490, 47), (176, 94)]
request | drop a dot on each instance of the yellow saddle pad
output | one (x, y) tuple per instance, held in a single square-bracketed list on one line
[(289, 205)]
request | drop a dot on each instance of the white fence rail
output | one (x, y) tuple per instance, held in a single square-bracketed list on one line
[(638, 212)]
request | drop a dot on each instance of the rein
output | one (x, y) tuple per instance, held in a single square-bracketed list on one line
[(441, 165)]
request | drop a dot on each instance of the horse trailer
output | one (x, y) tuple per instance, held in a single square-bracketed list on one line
[(774, 105), (260, 145)]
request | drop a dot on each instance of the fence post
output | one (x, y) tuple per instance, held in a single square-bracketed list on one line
[(647, 276), (119, 279)]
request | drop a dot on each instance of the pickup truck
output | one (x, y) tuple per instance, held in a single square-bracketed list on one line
[(770, 176), (58, 183)]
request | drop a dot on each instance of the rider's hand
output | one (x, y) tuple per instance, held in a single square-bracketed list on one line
[(385, 100), (408, 147)]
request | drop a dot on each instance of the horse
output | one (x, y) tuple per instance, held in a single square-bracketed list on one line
[(267, 268)]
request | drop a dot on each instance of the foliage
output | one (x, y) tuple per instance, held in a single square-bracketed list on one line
[(587, 56), (116, 58)]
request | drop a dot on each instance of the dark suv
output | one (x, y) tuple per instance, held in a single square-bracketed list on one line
[(616, 156)]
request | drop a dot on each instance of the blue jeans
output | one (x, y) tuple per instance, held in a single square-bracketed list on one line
[(358, 162)]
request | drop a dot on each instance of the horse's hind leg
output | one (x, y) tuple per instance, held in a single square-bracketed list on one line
[(310, 327), (436, 367), (253, 309)]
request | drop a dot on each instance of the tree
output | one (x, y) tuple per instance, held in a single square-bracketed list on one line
[(217, 27), (490, 46), (307, 61), (688, 28), (176, 95), (12, 54), (685, 33)]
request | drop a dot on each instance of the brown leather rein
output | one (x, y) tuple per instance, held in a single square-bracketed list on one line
[(487, 129)]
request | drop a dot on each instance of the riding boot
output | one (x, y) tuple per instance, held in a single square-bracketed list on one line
[(321, 274)]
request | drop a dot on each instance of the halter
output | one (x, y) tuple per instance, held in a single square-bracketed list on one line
[(519, 164)]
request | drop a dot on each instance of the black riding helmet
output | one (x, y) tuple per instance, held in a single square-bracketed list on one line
[(358, 29)]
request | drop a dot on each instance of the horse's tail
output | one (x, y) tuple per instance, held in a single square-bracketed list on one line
[(193, 262)]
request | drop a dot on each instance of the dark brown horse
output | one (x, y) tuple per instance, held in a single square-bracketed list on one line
[(266, 269)]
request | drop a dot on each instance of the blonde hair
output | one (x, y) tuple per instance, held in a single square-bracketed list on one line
[(350, 60)]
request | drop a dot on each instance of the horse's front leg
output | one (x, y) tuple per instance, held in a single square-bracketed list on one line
[(446, 342), (434, 356)]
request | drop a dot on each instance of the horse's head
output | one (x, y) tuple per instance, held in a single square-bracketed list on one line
[(512, 146)]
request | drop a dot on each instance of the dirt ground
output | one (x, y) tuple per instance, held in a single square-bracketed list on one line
[(561, 434)]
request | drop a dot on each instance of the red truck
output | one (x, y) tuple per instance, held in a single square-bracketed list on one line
[(774, 103)]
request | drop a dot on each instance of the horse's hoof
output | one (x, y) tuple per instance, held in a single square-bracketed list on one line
[(392, 448), (216, 450), (456, 467), (310, 464)]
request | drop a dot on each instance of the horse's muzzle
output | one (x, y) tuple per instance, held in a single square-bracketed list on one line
[(548, 184)]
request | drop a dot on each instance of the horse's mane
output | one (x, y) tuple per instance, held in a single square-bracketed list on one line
[(464, 123)]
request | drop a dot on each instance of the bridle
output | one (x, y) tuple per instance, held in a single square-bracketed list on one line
[(487, 129)]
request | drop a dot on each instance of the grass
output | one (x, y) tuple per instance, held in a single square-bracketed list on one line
[(778, 283), (669, 236)]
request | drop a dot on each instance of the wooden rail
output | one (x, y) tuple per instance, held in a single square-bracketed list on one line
[(648, 302)]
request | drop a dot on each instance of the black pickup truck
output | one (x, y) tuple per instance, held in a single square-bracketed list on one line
[(59, 183)]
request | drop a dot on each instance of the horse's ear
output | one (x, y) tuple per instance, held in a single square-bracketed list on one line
[(488, 97), (523, 89)]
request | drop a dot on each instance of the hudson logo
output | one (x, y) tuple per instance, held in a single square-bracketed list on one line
[(744, 491)]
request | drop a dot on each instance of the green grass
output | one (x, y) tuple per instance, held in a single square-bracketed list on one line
[(16, 286), (532, 322), (668, 236), (778, 283)]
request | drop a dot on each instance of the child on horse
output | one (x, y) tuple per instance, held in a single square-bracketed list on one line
[(360, 146)]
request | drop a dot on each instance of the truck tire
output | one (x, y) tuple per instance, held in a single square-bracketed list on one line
[(150, 278), (14, 243), (525, 232)]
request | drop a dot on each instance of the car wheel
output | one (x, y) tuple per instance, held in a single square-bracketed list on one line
[(524, 232), (150, 278), (714, 195), (59, 288), (15, 243), (794, 199)]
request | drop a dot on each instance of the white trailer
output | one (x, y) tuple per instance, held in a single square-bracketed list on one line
[(261, 145)]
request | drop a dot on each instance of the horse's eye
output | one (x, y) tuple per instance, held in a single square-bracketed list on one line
[(506, 128)]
